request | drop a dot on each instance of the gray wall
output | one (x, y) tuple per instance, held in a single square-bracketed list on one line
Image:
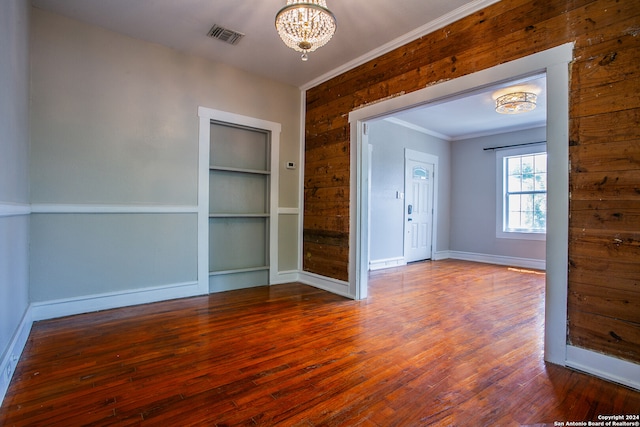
[(93, 253), (389, 141), (114, 122), (14, 151), (473, 199), (467, 192)]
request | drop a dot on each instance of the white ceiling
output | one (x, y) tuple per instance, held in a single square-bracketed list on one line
[(474, 115), (366, 29)]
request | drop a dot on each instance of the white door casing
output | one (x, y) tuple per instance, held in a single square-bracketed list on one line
[(555, 62), (206, 115)]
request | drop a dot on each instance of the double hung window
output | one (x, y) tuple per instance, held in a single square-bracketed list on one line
[(523, 194)]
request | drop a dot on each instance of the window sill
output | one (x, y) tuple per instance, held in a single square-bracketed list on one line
[(520, 235)]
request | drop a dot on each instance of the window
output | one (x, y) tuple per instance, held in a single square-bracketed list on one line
[(420, 173), (522, 210)]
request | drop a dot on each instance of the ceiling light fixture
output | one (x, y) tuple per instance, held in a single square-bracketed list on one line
[(516, 102), (305, 25)]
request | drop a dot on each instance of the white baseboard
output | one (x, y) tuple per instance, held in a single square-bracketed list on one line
[(85, 304), (285, 277), (538, 264), (12, 355), (466, 256), (379, 264), (89, 303), (603, 366), (330, 285)]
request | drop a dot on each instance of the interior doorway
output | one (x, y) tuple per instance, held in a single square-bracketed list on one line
[(554, 62), (468, 135)]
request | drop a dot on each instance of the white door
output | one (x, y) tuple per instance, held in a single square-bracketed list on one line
[(418, 211)]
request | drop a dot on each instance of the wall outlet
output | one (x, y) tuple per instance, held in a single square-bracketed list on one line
[(290, 165)]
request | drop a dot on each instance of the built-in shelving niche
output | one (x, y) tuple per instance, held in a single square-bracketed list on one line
[(239, 206)]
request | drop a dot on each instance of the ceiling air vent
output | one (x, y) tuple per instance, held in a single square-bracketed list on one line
[(224, 34)]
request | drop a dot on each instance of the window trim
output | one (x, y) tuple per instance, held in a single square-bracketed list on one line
[(500, 198)]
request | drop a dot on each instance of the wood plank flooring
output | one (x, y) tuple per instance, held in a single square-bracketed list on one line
[(436, 343)]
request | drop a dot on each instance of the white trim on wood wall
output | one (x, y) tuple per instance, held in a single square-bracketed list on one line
[(603, 366), (326, 283), (555, 62), (429, 27), (301, 162)]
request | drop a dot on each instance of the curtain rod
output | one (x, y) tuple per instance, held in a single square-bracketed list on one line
[(514, 145)]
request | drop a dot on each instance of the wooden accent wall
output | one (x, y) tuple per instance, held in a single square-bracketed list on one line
[(604, 242)]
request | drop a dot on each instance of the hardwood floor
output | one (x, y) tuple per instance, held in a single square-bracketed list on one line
[(436, 343)]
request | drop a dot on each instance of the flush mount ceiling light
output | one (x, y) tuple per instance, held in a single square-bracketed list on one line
[(305, 25), (516, 102)]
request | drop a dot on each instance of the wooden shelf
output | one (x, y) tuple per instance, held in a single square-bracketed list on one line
[(239, 170), (238, 270), (239, 215)]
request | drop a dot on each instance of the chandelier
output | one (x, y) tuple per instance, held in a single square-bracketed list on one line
[(305, 25), (516, 102)]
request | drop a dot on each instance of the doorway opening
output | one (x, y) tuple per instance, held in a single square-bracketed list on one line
[(471, 138), (554, 63)]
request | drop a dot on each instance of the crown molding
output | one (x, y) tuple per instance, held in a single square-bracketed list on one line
[(418, 128), (429, 27)]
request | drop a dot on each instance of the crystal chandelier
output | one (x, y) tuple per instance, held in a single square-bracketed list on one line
[(516, 102), (305, 25)]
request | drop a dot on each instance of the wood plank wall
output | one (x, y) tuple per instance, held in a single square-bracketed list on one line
[(604, 241)]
